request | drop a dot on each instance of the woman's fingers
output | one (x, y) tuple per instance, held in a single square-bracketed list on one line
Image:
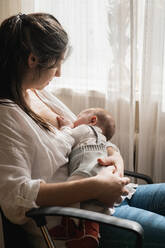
[(125, 180), (112, 187)]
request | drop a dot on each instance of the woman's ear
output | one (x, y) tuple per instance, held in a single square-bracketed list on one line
[(93, 120), (32, 61)]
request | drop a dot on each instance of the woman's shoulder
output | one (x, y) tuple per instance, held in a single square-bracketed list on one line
[(15, 125), (13, 117), (9, 109)]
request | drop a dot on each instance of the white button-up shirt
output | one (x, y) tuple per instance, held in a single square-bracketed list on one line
[(29, 155)]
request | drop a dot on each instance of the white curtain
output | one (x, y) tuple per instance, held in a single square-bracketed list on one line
[(99, 70), (151, 158), (120, 91), (117, 63)]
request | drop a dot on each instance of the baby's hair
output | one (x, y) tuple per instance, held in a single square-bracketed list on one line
[(104, 121)]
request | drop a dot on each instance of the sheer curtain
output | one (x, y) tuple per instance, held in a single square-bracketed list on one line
[(99, 70), (117, 59), (151, 158), (117, 63), (120, 91)]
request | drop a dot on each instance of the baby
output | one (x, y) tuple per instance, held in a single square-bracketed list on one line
[(91, 133)]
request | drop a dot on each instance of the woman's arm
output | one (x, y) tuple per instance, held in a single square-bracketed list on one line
[(105, 187)]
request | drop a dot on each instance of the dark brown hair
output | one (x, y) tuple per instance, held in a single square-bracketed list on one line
[(104, 121), (38, 33)]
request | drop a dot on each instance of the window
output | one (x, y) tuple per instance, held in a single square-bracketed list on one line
[(86, 23)]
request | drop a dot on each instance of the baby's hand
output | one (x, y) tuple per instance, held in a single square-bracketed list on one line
[(64, 122)]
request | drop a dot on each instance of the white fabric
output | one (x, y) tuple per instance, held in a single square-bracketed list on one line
[(84, 135), (152, 95), (122, 64), (88, 137), (28, 155), (98, 72), (120, 91)]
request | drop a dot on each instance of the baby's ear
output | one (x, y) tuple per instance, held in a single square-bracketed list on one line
[(93, 120)]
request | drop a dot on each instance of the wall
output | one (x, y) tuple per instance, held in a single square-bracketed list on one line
[(12, 7)]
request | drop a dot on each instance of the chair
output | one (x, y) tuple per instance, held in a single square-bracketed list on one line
[(144, 177), (15, 236)]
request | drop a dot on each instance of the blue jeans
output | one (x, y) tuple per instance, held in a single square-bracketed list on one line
[(147, 206)]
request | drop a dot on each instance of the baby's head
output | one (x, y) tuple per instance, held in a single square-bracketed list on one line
[(97, 117)]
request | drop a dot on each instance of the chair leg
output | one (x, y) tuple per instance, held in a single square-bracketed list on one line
[(50, 244), (47, 237), (139, 242)]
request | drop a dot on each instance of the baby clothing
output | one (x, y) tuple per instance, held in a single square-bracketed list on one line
[(89, 145)]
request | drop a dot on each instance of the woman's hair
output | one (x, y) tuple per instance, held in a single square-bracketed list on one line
[(38, 33)]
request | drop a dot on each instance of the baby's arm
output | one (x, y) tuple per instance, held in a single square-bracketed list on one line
[(113, 158)]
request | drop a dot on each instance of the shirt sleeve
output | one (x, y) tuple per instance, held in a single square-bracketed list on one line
[(18, 191), (110, 144)]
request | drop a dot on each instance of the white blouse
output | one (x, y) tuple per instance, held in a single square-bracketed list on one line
[(29, 155)]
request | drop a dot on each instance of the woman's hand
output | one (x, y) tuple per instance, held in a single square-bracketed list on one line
[(106, 187), (112, 187), (62, 122)]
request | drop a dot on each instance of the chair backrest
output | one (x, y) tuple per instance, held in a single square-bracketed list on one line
[(14, 235)]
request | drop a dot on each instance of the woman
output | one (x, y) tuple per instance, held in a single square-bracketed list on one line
[(33, 151), (33, 158)]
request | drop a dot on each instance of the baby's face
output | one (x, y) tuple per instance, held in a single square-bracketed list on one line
[(82, 118)]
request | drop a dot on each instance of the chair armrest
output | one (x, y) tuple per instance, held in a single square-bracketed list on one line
[(146, 178), (38, 214)]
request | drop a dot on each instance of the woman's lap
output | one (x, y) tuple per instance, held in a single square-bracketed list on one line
[(146, 207)]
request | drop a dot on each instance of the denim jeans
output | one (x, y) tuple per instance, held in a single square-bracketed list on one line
[(147, 206)]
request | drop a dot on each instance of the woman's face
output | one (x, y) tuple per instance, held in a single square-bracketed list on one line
[(46, 76), (35, 79)]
